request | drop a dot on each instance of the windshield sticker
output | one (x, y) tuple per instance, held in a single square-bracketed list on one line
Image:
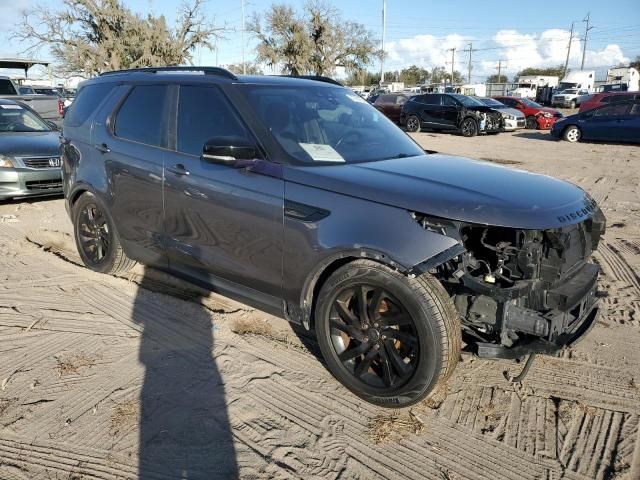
[(356, 98), (322, 153), (11, 107)]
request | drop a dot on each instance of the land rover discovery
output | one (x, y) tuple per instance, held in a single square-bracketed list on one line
[(296, 196)]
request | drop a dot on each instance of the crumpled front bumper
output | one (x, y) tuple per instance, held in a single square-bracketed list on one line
[(571, 309)]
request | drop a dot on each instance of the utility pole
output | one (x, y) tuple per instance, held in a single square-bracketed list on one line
[(499, 67), (384, 27), (566, 63), (586, 33), (469, 67), (453, 59), (244, 65)]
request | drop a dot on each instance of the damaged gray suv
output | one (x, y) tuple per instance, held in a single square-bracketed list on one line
[(297, 197)]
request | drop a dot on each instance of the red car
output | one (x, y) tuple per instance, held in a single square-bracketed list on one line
[(537, 116), (391, 105), (599, 99)]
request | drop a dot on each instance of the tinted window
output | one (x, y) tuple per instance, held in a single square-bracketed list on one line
[(88, 99), (635, 109), (432, 99), (509, 101), (6, 88), (609, 110), (447, 101), (401, 100), (387, 99), (204, 113), (140, 117)]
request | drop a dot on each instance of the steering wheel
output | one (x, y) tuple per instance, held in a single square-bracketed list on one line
[(352, 133)]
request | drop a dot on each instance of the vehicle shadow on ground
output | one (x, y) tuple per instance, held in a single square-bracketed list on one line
[(184, 426), (536, 135)]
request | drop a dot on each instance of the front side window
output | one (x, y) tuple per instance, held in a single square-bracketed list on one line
[(447, 101), (611, 110), (467, 101), (319, 125), (204, 113), (89, 97), (141, 116)]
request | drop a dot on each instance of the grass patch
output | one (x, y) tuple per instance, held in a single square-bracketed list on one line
[(73, 362), (394, 427), (125, 414)]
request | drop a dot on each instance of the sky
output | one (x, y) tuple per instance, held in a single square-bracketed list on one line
[(520, 34)]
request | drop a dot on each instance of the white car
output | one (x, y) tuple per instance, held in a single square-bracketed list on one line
[(513, 119)]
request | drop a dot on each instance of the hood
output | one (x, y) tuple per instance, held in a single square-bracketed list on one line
[(511, 111), (26, 144), (455, 188)]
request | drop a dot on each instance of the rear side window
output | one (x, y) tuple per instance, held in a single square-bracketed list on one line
[(141, 116), (87, 100), (401, 100), (387, 99), (432, 99), (6, 87), (204, 113), (613, 109)]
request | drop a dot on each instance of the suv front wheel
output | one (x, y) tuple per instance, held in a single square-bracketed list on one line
[(96, 239), (469, 127), (388, 338)]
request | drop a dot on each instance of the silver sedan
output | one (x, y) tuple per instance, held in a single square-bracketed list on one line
[(29, 153)]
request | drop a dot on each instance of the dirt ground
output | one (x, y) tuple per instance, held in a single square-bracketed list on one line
[(147, 377)]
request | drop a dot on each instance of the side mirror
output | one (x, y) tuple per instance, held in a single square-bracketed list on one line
[(228, 150)]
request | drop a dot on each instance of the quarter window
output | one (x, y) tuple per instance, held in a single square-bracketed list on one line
[(204, 113), (141, 116)]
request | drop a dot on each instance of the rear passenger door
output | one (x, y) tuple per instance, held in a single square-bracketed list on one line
[(449, 111), (428, 106), (130, 144), (223, 225)]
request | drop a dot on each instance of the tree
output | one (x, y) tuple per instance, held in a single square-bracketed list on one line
[(315, 41), (251, 68), (88, 37), (414, 75), (442, 75), (497, 79), (557, 71)]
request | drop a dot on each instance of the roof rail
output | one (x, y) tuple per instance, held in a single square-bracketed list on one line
[(206, 70), (317, 78)]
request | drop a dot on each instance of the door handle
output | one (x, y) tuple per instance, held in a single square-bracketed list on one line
[(178, 169), (102, 148)]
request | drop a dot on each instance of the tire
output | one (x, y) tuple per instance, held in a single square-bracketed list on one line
[(572, 104), (531, 122), (96, 238), (469, 127), (412, 124), (417, 317), (571, 134)]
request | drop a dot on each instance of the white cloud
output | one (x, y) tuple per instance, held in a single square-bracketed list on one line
[(517, 50)]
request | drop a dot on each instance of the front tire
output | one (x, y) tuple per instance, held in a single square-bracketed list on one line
[(388, 338), (531, 122), (572, 104), (469, 127), (413, 123), (572, 134), (96, 238)]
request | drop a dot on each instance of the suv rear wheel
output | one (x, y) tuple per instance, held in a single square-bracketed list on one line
[(96, 239), (388, 338), (469, 127)]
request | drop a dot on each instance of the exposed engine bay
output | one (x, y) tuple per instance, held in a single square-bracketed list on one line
[(521, 291)]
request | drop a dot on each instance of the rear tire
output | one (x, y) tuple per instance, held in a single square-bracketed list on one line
[(401, 346), (413, 123), (96, 238), (571, 134), (469, 127), (531, 122)]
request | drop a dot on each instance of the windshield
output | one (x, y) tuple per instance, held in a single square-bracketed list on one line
[(530, 103), (525, 85), (492, 102), (320, 125), (467, 101), (570, 91), (566, 86), (14, 118)]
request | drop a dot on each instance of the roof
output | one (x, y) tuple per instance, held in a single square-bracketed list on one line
[(21, 63), (208, 75)]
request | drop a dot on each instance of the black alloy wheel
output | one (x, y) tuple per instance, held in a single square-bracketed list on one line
[(374, 336), (413, 123), (531, 122), (93, 233), (469, 128)]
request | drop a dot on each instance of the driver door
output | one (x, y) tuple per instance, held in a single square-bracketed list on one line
[(223, 225)]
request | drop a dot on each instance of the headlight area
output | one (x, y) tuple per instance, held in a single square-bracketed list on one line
[(521, 291), (5, 162)]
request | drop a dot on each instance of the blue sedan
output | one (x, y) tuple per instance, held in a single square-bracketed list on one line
[(617, 122)]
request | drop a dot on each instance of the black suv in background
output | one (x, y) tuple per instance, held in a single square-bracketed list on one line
[(298, 197), (450, 111)]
